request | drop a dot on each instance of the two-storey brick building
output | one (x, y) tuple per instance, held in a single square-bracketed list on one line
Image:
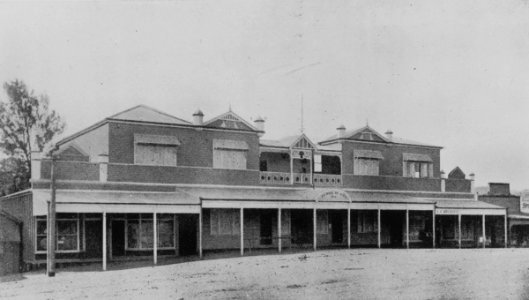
[(217, 185)]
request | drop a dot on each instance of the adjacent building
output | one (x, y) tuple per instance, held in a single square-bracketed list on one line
[(146, 183)]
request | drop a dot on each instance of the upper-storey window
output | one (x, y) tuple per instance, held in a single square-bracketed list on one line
[(417, 165), (229, 154), (155, 150), (366, 162)]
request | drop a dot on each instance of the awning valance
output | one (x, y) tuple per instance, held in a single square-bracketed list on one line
[(370, 154), (416, 157), (90, 201), (156, 139), (220, 144)]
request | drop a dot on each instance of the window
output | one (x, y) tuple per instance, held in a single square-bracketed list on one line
[(418, 169), (366, 162), (365, 166), (229, 154), (322, 219), (224, 222), (140, 232), (417, 165), (263, 165), (317, 163), (66, 232), (417, 225), (155, 150), (367, 221), (467, 229)]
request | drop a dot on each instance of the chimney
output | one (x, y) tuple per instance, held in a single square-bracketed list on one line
[(472, 178), (259, 124), (341, 131), (389, 134), (499, 189), (198, 117)]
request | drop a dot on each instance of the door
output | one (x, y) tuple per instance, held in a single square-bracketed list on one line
[(187, 234), (337, 227), (94, 238), (118, 237), (266, 228)]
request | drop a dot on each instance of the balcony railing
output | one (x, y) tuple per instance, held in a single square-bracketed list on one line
[(327, 180), (274, 178), (302, 178)]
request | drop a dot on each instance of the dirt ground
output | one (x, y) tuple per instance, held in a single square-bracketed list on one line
[(332, 274)]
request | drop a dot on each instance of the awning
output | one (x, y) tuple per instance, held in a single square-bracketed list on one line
[(90, 201), (370, 154), (156, 139), (230, 145), (467, 207), (416, 157)]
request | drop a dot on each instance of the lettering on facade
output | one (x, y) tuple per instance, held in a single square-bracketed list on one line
[(334, 195), (445, 211), (524, 202)]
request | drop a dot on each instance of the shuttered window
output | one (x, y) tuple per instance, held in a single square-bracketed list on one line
[(364, 166), (155, 150), (229, 154)]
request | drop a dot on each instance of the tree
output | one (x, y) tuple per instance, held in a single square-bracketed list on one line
[(26, 124)]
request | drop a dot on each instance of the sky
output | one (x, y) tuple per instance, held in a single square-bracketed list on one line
[(448, 73)]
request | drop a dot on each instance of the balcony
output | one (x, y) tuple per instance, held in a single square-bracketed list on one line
[(283, 178), (327, 180)]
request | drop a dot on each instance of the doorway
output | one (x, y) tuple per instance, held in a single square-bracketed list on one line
[(118, 237), (302, 227), (94, 239), (393, 221), (187, 234), (336, 219), (266, 227)]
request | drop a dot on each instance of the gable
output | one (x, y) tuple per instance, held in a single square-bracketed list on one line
[(303, 142), (147, 114), (367, 134), (73, 153), (456, 173), (229, 120)]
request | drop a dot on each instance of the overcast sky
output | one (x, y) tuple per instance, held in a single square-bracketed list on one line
[(450, 73)]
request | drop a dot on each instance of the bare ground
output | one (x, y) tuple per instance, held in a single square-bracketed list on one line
[(332, 274)]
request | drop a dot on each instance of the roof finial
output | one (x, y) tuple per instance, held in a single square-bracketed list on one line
[(302, 129), (367, 122), (229, 107)]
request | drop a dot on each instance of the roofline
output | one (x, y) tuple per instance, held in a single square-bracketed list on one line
[(184, 125), (333, 141), (81, 132), (28, 191), (148, 107), (231, 112)]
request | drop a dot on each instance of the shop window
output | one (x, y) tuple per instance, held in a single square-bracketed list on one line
[(66, 232), (367, 221), (224, 222), (366, 166), (322, 218), (140, 232), (417, 225)]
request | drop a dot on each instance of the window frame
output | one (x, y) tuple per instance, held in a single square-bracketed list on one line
[(356, 167), (140, 221), (155, 145), (45, 220)]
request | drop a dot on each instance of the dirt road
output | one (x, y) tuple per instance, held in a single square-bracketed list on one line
[(333, 274)]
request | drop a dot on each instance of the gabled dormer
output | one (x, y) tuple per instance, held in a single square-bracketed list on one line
[(365, 133)]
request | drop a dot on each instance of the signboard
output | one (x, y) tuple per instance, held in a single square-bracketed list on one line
[(524, 202), (334, 195), (446, 211)]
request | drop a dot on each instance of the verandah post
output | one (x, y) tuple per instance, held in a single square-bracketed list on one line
[(279, 230), (433, 228), (459, 230), (379, 242), (407, 228), (200, 233), (242, 230), (505, 228), (155, 238), (483, 230), (104, 241), (314, 223), (348, 227)]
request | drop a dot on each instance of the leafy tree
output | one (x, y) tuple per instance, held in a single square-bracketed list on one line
[(26, 124)]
